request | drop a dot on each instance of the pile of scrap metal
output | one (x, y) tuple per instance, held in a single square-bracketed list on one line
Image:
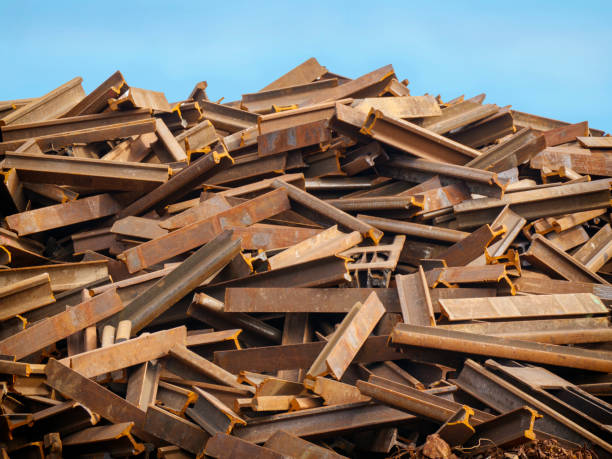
[(328, 267)]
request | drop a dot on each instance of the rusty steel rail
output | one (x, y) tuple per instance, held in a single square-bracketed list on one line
[(419, 170), (521, 147), (227, 118), (178, 185), (551, 259), (285, 119), (295, 96), (470, 343), (87, 173), (307, 71), (414, 229), (179, 282), (292, 138), (415, 140), (532, 204), (321, 207), (203, 231)]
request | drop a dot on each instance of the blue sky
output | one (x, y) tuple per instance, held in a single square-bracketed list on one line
[(550, 58)]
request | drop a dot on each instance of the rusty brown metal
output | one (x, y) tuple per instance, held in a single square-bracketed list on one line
[(458, 115), (486, 131), (327, 210), (545, 255), (342, 347), (307, 71), (403, 107), (519, 148), (414, 229), (49, 106), (415, 140), (597, 251), (178, 185), (203, 231), (292, 445), (25, 295), (470, 343), (294, 96), (414, 298), (292, 138), (565, 134)]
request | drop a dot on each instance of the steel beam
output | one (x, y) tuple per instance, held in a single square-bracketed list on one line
[(63, 276), (557, 200), (413, 139), (175, 430), (60, 215), (521, 306), (458, 115), (519, 148), (418, 170), (346, 341), (470, 343), (414, 229), (179, 282), (140, 98), (403, 107), (62, 325), (114, 439), (565, 134), (321, 207), (87, 173), (545, 255), (486, 131), (414, 298), (502, 396), (285, 119), (123, 354), (23, 296), (307, 71), (597, 251), (292, 138), (595, 142), (291, 445), (201, 232), (49, 106), (227, 118), (223, 446), (294, 96), (303, 300)]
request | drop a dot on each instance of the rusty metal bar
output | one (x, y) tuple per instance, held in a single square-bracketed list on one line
[(201, 232), (142, 385), (597, 251), (227, 118), (63, 276), (458, 115), (179, 282), (519, 148), (545, 255), (328, 421), (270, 237), (321, 207), (414, 229), (289, 96), (348, 338), (486, 131), (199, 138), (558, 200), (249, 167), (506, 430), (402, 107), (291, 445), (140, 98), (213, 415), (301, 300), (49, 106), (521, 306), (419, 170), (470, 248), (368, 85), (551, 331), (113, 439), (292, 356), (513, 223), (577, 159), (292, 138), (60, 215), (167, 148), (565, 134), (594, 142), (414, 299), (178, 185), (97, 100), (25, 295), (87, 173), (415, 140), (138, 227), (62, 325), (223, 446), (175, 430), (378, 203), (273, 122), (470, 343), (326, 243), (307, 71), (503, 396), (543, 286), (62, 126), (123, 354)]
